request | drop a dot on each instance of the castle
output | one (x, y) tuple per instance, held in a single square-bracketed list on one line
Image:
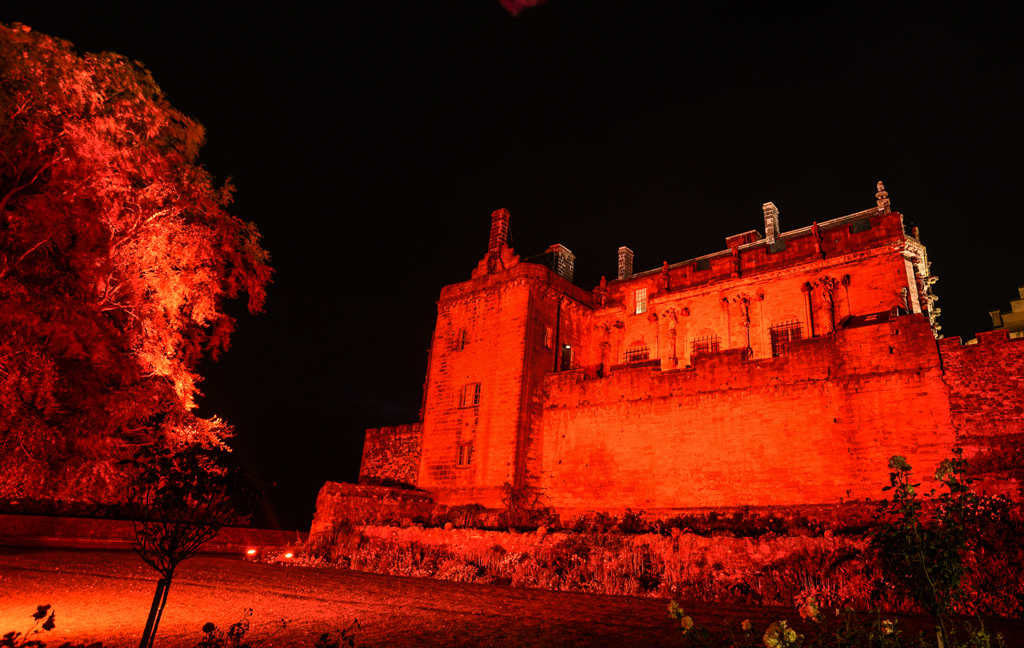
[(783, 370)]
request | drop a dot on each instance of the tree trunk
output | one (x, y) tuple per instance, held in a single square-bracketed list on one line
[(155, 612)]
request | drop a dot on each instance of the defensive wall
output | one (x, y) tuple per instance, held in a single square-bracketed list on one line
[(815, 426), (986, 398), (391, 455)]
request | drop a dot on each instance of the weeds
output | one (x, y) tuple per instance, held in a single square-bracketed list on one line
[(845, 631), (41, 622)]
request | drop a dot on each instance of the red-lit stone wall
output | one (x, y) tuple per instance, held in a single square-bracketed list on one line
[(605, 405), (503, 331), (857, 273), (391, 455), (986, 382), (817, 426)]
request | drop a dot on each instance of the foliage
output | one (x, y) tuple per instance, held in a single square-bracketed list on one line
[(346, 637), (41, 622), (850, 631), (928, 552), (235, 635), (179, 499), (521, 505), (116, 257)]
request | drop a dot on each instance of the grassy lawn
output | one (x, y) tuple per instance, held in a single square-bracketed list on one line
[(105, 596)]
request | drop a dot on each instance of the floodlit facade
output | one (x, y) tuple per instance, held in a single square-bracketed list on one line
[(783, 370)]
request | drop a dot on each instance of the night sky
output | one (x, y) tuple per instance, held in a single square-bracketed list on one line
[(370, 141)]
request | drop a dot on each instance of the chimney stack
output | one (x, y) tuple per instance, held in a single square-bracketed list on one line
[(625, 262), (771, 221), (499, 237), (561, 260)]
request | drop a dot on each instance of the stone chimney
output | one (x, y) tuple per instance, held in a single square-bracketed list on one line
[(625, 262), (561, 260), (771, 222), (499, 237)]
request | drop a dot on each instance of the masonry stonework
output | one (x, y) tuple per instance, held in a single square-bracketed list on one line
[(784, 370), (391, 455)]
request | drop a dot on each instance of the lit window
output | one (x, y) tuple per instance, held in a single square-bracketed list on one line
[(641, 300), (470, 396), (465, 454), (548, 334), (567, 363)]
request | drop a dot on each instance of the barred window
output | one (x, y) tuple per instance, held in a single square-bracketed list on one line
[(465, 454), (783, 332), (641, 300), (705, 343), (637, 352), (470, 396)]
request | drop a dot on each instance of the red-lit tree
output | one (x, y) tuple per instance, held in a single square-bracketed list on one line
[(179, 499), (116, 256)]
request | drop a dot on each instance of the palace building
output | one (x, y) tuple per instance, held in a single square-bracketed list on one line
[(785, 369)]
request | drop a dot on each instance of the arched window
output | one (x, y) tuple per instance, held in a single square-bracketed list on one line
[(785, 331), (707, 341), (637, 352)]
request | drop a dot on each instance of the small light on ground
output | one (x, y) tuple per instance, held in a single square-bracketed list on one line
[(251, 552), (288, 555)]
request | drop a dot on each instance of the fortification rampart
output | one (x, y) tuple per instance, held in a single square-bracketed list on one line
[(986, 383), (391, 455), (817, 426)]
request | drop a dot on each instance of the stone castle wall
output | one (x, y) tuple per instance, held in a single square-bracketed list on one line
[(986, 399), (816, 426), (391, 455)]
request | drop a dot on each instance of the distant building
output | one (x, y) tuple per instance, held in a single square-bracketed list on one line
[(785, 369), (1013, 319)]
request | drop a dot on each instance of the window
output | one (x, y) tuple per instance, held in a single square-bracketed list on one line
[(465, 454), (637, 352), (470, 396), (783, 332), (461, 340), (548, 336), (641, 300), (705, 343), (566, 363)]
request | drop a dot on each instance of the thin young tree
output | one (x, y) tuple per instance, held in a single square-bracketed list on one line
[(179, 501)]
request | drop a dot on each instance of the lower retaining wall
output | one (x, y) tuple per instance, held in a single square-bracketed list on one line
[(88, 533), (361, 504)]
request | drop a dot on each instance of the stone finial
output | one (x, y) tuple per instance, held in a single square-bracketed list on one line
[(771, 221), (625, 262), (882, 197)]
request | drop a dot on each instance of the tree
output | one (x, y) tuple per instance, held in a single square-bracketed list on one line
[(179, 499), (116, 257), (927, 549)]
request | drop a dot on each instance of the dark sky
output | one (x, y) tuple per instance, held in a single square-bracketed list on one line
[(370, 141)]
